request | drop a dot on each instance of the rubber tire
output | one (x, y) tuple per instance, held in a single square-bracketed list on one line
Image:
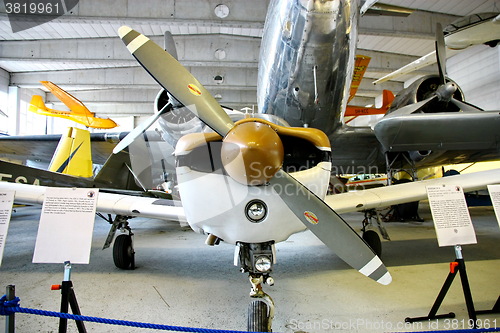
[(122, 251), (372, 238), (258, 320)]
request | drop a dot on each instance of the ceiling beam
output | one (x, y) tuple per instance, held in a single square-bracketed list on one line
[(419, 24), (131, 76), (206, 49)]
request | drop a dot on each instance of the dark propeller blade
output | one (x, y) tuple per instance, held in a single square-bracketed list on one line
[(411, 108), (170, 45), (126, 141), (177, 80), (329, 227), (441, 53)]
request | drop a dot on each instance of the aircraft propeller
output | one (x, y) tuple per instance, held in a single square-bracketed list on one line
[(257, 143), (445, 91)]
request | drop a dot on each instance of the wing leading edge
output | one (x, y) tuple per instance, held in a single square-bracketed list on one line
[(397, 194), (108, 203), (342, 203)]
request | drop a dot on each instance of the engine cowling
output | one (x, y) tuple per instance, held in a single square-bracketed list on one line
[(178, 121), (422, 89)]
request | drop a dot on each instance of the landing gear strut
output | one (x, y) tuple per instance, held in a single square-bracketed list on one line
[(371, 237), (261, 309), (402, 162), (257, 260), (123, 247)]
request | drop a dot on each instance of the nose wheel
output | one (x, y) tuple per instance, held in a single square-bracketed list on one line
[(257, 260), (261, 309)]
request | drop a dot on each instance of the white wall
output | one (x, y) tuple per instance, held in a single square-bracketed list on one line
[(30, 123), (4, 102), (477, 71)]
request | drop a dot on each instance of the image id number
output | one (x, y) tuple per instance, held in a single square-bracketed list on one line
[(31, 8), (460, 324)]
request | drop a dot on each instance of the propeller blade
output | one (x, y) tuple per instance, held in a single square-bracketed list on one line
[(176, 79), (170, 45), (411, 108), (126, 141), (329, 227), (464, 106), (441, 52)]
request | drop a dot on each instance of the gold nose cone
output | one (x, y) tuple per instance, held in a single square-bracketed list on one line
[(252, 153)]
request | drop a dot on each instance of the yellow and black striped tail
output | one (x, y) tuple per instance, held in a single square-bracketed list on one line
[(73, 155)]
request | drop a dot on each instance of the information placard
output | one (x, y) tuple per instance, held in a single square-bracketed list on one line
[(66, 226), (451, 215), (6, 202), (495, 199)]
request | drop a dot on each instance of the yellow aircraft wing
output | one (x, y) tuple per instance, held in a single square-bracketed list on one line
[(78, 113), (73, 103)]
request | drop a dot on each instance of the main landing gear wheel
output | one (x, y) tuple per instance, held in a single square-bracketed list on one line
[(258, 317), (123, 252), (372, 238)]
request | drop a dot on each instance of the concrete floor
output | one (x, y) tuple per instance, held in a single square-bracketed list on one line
[(180, 281)]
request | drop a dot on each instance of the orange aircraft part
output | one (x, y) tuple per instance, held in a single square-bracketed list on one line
[(355, 111), (360, 65), (78, 111)]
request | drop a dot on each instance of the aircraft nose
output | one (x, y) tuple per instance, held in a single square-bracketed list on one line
[(252, 153)]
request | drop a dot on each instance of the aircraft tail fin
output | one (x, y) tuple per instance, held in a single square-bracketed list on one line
[(36, 104), (387, 98), (73, 154), (115, 173), (360, 65)]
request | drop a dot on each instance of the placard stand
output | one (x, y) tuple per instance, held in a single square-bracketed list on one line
[(456, 266), (68, 298)]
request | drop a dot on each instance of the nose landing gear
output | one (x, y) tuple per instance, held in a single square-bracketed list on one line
[(257, 260), (261, 309)]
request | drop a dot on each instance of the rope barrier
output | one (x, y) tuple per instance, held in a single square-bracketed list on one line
[(11, 307)]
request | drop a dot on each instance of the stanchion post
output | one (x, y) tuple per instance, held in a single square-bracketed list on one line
[(10, 320), (65, 288), (465, 286), (68, 298)]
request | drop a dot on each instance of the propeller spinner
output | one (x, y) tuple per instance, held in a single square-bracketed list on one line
[(252, 154)]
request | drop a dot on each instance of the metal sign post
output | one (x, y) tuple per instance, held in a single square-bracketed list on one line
[(68, 298)]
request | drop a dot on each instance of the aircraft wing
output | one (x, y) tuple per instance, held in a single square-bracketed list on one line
[(342, 203), (470, 30), (40, 148), (424, 61), (382, 197), (108, 203), (73, 103)]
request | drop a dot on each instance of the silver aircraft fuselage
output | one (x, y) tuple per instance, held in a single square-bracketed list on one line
[(306, 61), (305, 72)]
